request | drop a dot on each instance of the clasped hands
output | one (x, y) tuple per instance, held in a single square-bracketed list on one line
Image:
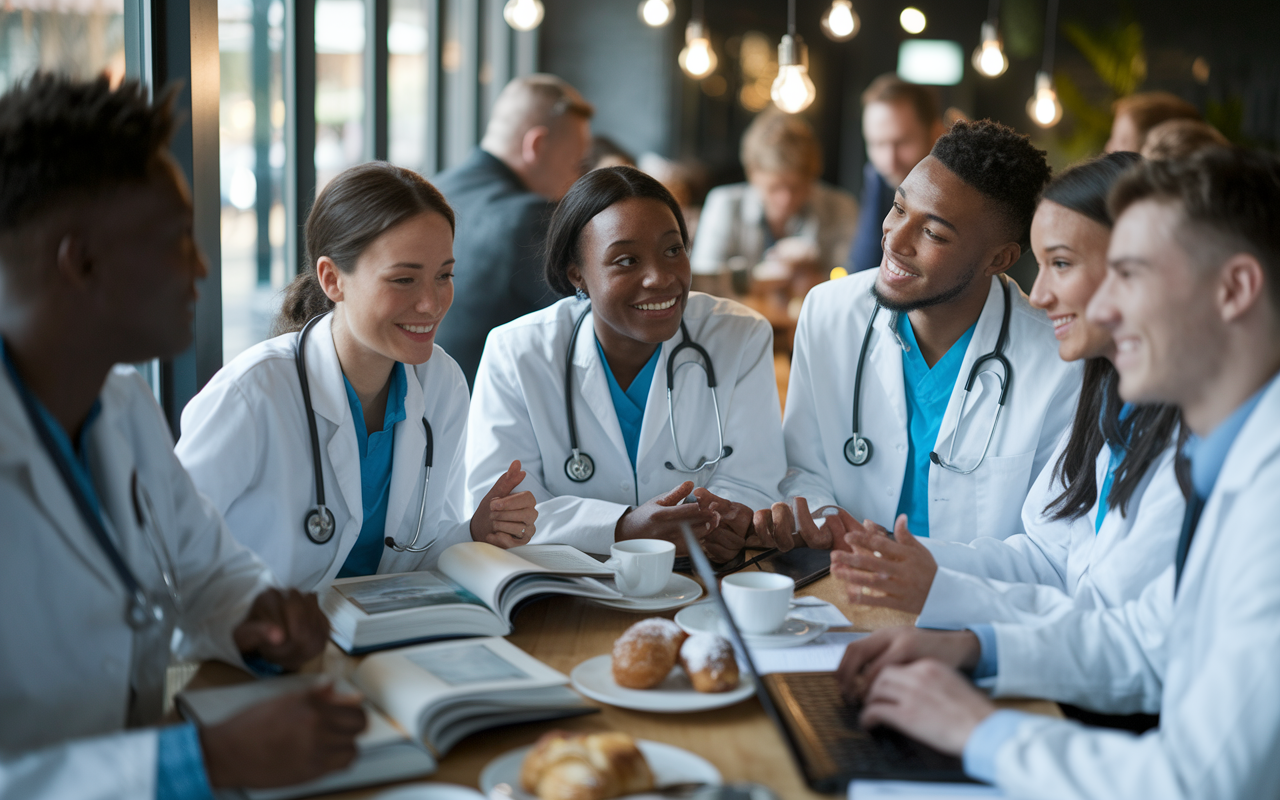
[(721, 526)]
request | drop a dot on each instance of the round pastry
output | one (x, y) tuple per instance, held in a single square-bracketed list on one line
[(569, 766), (709, 660), (646, 652)]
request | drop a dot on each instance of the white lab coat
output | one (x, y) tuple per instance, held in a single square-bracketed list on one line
[(819, 414), (1057, 565), (1206, 660), (246, 444), (65, 648), (518, 411)]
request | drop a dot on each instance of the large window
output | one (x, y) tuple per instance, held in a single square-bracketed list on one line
[(81, 38)]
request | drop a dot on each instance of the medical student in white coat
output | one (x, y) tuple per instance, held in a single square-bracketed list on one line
[(1191, 300), (603, 461), (885, 361), (107, 546), (388, 406), (1101, 521)]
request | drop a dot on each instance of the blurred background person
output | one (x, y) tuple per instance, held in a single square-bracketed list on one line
[(782, 198), (605, 152), (1179, 138), (686, 180), (1137, 114), (503, 196), (900, 123)]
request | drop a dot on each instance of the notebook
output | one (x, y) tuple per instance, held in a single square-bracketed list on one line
[(821, 727)]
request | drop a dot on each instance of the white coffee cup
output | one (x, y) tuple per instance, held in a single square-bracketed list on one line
[(642, 567), (758, 601)]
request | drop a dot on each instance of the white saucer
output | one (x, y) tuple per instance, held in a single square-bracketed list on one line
[(705, 618), (680, 590), (430, 791), (669, 764), (675, 695)]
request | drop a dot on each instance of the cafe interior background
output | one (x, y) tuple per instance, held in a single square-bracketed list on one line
[(281, 95)]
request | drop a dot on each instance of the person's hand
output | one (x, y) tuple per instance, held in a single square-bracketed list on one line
[(286, 740), (727, 540), (881, 571), (502, 518), (780, 527), (929, 701), (660, 518), (286, 627), (864, 659)]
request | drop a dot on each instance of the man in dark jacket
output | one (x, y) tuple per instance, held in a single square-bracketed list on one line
[(503, 196)]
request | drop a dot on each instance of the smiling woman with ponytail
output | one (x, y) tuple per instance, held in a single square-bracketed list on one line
[(389, 405)]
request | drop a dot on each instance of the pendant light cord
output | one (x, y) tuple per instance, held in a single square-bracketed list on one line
[(993, 11), (1050, 35), (791, 17)]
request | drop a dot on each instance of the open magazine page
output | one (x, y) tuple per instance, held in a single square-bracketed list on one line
[(562, 559), (383, 594), (484, 569), (408, 683)]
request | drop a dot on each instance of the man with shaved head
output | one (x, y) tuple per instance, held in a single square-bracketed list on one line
[(503, 195)]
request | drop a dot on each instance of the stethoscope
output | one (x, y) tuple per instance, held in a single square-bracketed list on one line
[(319, 524), (579, 467), (858, 449)]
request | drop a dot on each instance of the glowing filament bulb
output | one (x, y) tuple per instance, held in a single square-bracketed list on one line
[(697, 58), (841, 22), (523, 15), (912, 20), (793, 91), (989, 59), (656, 13), (1043, 107)]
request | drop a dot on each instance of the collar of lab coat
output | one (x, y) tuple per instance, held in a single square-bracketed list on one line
[(112, 466), (1256, 443), (978, 408)]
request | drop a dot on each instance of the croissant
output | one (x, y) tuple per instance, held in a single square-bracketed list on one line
[(646, 652), (568, 766)]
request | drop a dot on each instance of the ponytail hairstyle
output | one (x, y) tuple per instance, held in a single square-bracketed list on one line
[(1144, 433), (353, 210)]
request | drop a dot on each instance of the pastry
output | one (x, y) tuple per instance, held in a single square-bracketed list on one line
[(709, 660), (646, 652), (596, 766)]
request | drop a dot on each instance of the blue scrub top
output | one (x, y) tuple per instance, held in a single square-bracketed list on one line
[(928, 393), (376, 451), (629, 405)]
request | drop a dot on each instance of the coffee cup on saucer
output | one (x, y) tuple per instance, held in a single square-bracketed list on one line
[(758, 601), (641, 567)]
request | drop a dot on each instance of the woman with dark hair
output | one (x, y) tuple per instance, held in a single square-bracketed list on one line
[(585, 393), (318, 445), (1102, 519)]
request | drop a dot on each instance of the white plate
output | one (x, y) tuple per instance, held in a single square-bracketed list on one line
[(430, 791), (680, 590), (669, 764), (705, 618), (675, 695)]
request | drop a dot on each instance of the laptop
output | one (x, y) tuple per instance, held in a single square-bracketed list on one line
[(821, 727)]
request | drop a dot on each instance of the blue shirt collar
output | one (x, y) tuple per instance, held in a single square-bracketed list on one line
[(60, 435), (1207, 454), (394, 413)]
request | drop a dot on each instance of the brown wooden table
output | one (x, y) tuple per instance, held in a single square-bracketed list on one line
[(563, 632)]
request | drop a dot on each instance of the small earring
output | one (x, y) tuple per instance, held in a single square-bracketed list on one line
[(578, 293)]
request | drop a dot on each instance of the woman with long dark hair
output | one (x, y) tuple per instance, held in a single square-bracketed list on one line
[(585, 393), (318, 446), (1102, 519)]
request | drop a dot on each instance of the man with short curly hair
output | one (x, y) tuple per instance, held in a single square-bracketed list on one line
[(943, 438)]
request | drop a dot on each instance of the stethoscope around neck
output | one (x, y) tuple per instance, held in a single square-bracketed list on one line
[(580, 467), (319, 524), (858, 449)]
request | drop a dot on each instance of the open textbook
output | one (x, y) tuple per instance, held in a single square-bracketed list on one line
[(474, 592), (438, 693)]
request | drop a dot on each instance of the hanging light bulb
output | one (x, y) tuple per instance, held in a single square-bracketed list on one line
[(793, 90), (656, 13), (1043, 107), (697, 59), (523, 15), (840, 22), (989, 58), (912, 20)]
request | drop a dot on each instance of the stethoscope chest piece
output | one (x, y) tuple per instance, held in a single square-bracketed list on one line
[(319, 525), (579, 467), (857, 450)]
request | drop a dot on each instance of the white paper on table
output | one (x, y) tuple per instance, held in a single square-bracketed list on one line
[(920, 790), (817, 611), (821, 655)]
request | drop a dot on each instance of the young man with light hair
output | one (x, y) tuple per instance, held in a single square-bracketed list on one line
[(503, 195), (1192, 300)]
